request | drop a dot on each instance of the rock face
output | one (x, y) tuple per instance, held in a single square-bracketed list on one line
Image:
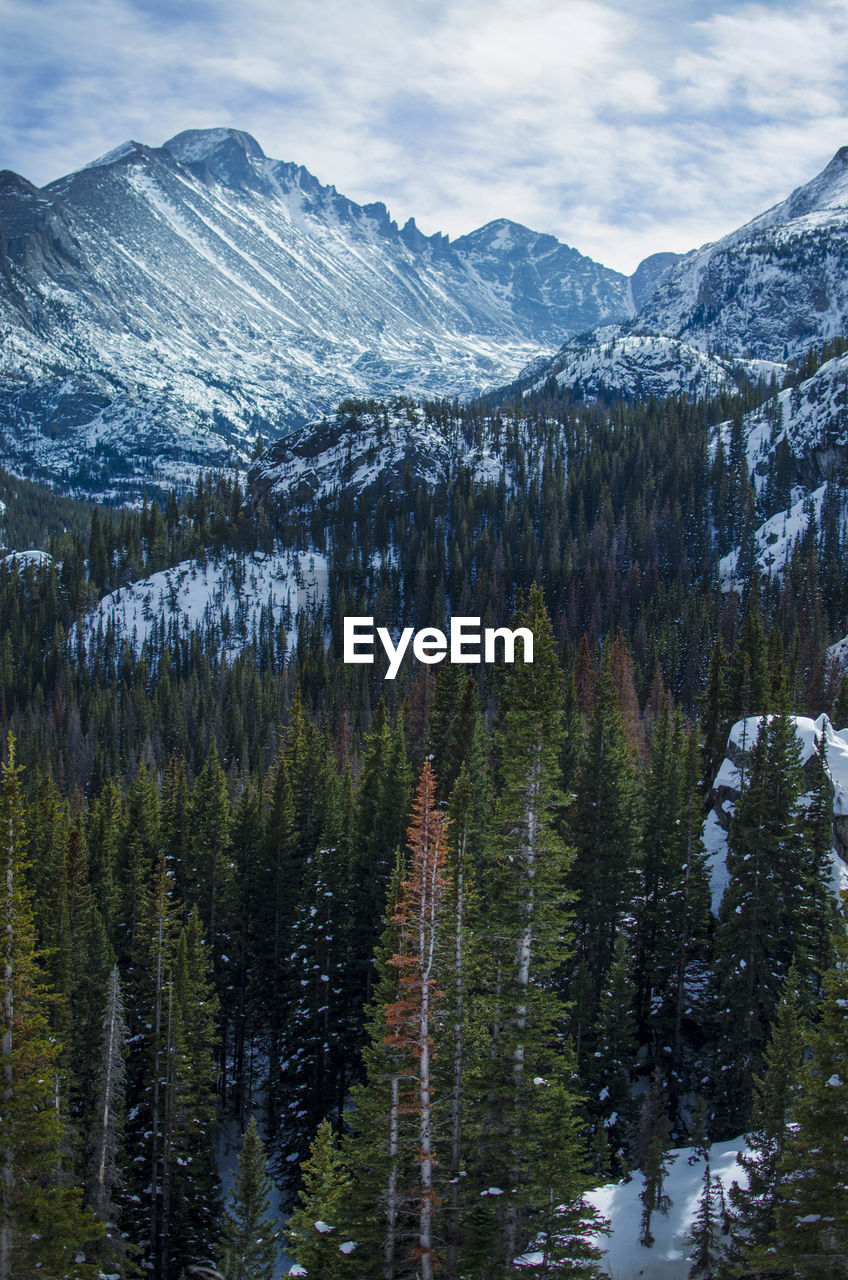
[(729, 780), (161, 307), (746, 304)]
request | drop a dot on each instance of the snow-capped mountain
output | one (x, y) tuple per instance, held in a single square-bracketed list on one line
[(771, 289), (758, 297), (162, 306)]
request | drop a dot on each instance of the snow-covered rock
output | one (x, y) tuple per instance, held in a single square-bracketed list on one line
[(614, 362), (28, 559), (728, 783)]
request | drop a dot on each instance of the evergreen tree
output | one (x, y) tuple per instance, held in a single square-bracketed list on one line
[(809, 1238), (275, 907), (403, 1197), (764, 912), (528, 1166), (604, 827), (248, 1246), (654, 1156), (190, 1190), (716, 714), (705, 1235), (312, 1230), (752, 1207), (210, 823), (43, 1227), (607, 1072), (109, 1115)]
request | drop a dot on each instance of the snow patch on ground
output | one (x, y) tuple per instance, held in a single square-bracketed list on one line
[(668, 1257), (774, 540)]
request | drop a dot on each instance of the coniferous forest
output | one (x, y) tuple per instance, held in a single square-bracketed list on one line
[(440, 948)]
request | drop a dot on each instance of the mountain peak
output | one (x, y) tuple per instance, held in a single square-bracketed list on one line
[(230, 155), (193, 146), (500, 233), (12, 184)]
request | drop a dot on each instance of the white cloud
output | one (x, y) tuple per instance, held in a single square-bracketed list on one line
[(624, 128)]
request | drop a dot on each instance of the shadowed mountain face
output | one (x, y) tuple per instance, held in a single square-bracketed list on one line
[(161, 307)]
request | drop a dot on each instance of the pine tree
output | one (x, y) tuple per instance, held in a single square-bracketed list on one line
[(190, 1191), (248, 1246), (459, 971), (752, 1211), (382, 806), (109, 1114), (604, 827), (763, 911), (279, 886), (653, 1155), (716, 715), (528, 1164), (410, 1020), (809, 1239), (659, 870), (317, 1035), (705, 1235), (378, 1160), (313, 1230), (210, 823), (607, 1072), (690, 922)]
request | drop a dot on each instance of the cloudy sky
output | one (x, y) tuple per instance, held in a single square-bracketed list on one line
[(624, 128)]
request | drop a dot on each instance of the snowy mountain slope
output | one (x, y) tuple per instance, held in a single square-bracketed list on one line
[(363, 447), (812, 418), (668, 1258), (162, 305), (800, 434), (774, 540), (232, 598), (728, 784), (758, 297)]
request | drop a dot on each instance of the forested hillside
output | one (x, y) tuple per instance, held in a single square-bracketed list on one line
[(448, 937)]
